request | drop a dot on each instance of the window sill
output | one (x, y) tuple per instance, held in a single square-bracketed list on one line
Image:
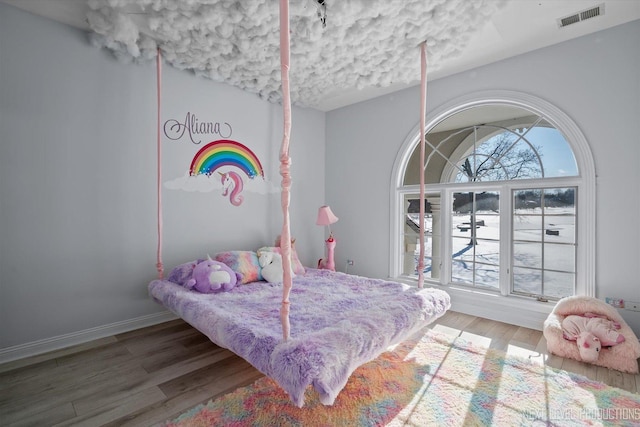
[(511, 309)]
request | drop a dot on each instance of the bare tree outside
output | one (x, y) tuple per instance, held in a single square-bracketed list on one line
[(505, 156)]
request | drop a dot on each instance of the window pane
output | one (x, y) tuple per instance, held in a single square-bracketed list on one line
[(559, 201), (461, 227), (527, 281), (559, 257), (488, 227), (476, 238), (537, 151), (517, 153), (409, 255), (526, 254), (487, 276), (463, 203), (428, 258), (462, 272), (556, 153), (521, 161), (463, 255), (527, 227), (411, 246), (488, 252), (552, 259), (559, 214), (560, 229), (462, 249), (558, 285), (527, 202)]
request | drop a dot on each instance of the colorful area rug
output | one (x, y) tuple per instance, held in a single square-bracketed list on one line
[(436, 381)]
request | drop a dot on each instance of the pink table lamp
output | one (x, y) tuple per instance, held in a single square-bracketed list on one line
[(326, 217)]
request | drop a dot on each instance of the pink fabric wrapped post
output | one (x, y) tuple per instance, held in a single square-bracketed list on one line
[(423, 112), (285, 162), (159, 264)]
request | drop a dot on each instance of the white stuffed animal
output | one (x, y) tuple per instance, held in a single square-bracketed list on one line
[(271, 263)]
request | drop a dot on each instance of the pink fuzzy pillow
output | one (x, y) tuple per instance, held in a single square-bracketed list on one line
[(244, 263)]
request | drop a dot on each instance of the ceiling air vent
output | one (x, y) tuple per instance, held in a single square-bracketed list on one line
[(581, 16)]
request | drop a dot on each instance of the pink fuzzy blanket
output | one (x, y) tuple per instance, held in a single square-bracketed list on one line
[(622, 357)]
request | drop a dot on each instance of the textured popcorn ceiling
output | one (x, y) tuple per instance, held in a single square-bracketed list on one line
[(366, 43)]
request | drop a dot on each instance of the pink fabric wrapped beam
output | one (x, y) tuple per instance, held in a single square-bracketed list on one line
[(622, 357)]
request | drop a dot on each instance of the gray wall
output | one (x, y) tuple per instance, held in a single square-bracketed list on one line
[(78, 180), (594, 79), (77, 170)]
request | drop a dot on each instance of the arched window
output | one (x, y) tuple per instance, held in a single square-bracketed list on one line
[(510, 200)]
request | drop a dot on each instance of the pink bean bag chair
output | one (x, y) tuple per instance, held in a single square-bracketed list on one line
[(622, 357)]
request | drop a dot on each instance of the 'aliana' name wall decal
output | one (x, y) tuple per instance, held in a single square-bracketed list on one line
[(174, 130)]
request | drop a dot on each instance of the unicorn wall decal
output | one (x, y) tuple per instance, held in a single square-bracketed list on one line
[(232, 186), (224, 153)]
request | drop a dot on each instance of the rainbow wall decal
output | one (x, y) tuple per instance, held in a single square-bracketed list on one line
[(225, 152)]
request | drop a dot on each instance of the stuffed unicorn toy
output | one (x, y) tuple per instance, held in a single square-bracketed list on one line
[(591, 332), (211, 276), (271, 263)]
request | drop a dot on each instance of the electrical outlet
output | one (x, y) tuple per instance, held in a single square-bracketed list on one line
[(632, 305), (616, 302)]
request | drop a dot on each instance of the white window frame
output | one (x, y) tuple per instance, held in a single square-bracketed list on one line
[(585, 206)]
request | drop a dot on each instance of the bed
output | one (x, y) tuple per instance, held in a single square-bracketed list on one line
[(338, 322)]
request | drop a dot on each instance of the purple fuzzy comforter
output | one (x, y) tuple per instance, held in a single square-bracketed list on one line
[(338, 322)]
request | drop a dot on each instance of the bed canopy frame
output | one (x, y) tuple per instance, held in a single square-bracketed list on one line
[(285, 163)]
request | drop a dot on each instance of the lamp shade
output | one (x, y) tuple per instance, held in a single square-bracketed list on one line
[(325, 216)]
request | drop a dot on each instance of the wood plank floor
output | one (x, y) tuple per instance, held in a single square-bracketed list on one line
[(149, 375)]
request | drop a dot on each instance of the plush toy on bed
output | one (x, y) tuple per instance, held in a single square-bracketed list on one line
[(591, 332), (211, 276), (271, 263)]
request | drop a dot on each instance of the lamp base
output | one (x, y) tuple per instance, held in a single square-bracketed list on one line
[(328, 264)]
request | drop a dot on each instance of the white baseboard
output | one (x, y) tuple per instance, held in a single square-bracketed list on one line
[(67, 340), (517, 311)]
